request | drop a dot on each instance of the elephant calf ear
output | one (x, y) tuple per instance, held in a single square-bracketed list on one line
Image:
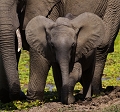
[(35, 32), (91, 31)]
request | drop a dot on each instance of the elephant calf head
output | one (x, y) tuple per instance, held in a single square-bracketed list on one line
[(86, 30), (67, 39)]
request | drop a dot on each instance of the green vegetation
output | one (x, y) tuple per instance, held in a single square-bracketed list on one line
[(111, 71), (112, 67)]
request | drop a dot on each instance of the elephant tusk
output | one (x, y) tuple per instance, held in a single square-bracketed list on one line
[(19, 39)]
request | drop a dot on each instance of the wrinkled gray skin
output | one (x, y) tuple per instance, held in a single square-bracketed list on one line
[(69, 45), (109, 11), (10, 13)]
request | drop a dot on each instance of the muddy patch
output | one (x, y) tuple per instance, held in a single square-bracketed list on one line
[(108, 98)]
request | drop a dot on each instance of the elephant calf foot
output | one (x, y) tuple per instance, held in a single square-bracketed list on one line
[(71, 99), (88, 99)]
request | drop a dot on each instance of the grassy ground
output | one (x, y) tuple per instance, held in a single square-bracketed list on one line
[(112, 67), (111, 71)]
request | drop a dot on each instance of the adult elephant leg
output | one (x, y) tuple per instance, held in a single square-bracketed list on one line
[(112, 23), (101, 56), (39, 67)]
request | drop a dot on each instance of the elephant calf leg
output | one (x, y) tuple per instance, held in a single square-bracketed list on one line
[(87, 80), (39, 68), (57, 78), (97, 79), (74, 77)]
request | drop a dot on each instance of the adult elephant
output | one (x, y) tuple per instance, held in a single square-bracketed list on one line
[(109, 11), (12, 17), (10, 13), (70, 47), (38, 73)]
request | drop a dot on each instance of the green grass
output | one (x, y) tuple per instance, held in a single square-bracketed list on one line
[(112, 71), (112, 67)]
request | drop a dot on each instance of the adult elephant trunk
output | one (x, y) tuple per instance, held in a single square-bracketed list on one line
[(8, 25), (7, 48)]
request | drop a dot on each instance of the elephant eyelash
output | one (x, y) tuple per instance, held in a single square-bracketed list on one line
[(52, 45), (73, 45)]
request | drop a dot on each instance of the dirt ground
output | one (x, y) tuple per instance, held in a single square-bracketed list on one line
[(108, 98)]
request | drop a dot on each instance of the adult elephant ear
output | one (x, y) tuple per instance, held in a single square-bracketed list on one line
[(90, 32), (36, 33)]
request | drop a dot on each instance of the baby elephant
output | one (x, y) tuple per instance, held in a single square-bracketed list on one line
[(69, 45)]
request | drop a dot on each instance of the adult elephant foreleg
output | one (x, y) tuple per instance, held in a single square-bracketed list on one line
[(112, 23), (101, 56), (39, 67)]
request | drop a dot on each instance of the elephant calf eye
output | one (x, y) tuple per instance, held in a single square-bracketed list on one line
[(73, 44), (52, 45)]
